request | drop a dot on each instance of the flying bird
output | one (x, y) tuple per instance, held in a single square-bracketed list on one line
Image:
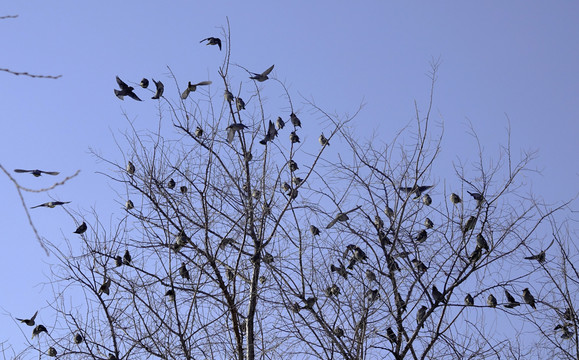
[(511, 302), (160, 88), (295, 120), (270, 134), (279, 123), (29, 322), (105, 287), (126, 90), (232, 129), (144, 83), (263, 76), (213, 41), (540, 257), (341, 217), (240, 104), (455, 199), (192, 87), (39, 329), (81, 229), (323, 141), (416, 190), (528, 297), (492, 301), (51, 204), (37, 172)]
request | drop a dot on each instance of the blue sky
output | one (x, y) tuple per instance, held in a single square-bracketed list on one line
[(499, 61)]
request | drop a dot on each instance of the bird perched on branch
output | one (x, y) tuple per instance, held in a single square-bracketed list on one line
[(160, 88), (81, 228), (310, 302), (540, 257), (421, 237), (314, 230), (469, 225), (51, 352), (294, 138), (295, 120), (263, 76), (426, 200), (127, 258), (37, 172), (478, 197), (341, 270), (144, 83), (455, 199), (29, 322), (389, 212), (232, 129), (481, 242), (213, 41), (228, 96), (126, 90), (437, 296), (130, 168), (51, 204), (240, 104), (421, 315), (192, 87), (342, 216), (492, 301), (468, 300), (279, 123), (419, 265), (528, 297), (511, 302), (129, 205), (370, 275), (323, 141), (78, 338), (171, 184), (416, 190), (105, 287), (428, 223), (184, 272), (390, 335), (39, 329), (293, 166), (171, 294)]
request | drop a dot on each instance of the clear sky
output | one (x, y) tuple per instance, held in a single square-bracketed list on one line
[(499, 61)]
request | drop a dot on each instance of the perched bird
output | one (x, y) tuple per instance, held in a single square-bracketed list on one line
[(310, 302), (389, 212), (511, 302), (540, 257), (105, 287), (81, 228), (475, 255), (341, 270), (232, 129), (392, 264), (51, 352), (341, 217), (29, 322), (469, 225), (213, 41), (416, 190), (38, 329), (279, 123), (255, 193), (171, 294), (198, 132), (338, 332), (295, 307), (478, 197), (481, 242), (51, 204), (437, 296), (400, 303), (455, 199), (323, 141), (183, 189), (295, 120), (262, 279), (419, 265), (192, 87), (37, 172), (129, 205), (468, 300), (112, 357), (144, 83), (569, 314), (567, 334), (184, 272), (268, 258), (228, 96), (421, 237), (378, 222), (285, 186), (263, 76), (421, 315), (314, 230), (372, 295), (270, 134), (426, 200), (390, 335), (428, 223), (130, 168), (333, 290), (294, 138), (126, 90), (226, 241), (171, 184), (127, 258), (118, 261), (357, 253), (293, 194), (492, 301), (370, 275), (528, 297), (293, 166), (240, 104), (78, 338), (297, 181), (160, 88)]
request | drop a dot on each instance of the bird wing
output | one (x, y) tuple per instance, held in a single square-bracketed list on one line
[(266, 72), (132, 95), (204, 83), (204, 40), (332, 223), (122, 84), (50, 172), (34, 316), (22, 171), (185, 93), (34, 207)]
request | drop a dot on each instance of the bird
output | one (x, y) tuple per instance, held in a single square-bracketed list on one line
[(126, 90), (421, 237), (232, 129), (29, 322), (171, 184), (268, 258), (357, 253), (310, 302), (37, 172), (285, 186), (295, 120), (511, 302), (389, 212), (390, 335), (213, 41), (455, 199), (263, 76), (392, 264), (127, 258), (421, 315), (491, 301), (39, 329), (426, 200), (51, 204), (160, 88), (468, 300), (370, 275), (130, 168), (540, 257), (112, 357), (372, 295), (293, 166), (183, 189), (198, 132), (378, 222), (469, 225), (478, 197), (51, 352), (228, 96), (296, 180), (342, 216), (184, 272), (428, 223), (437, 295), (419, 265), (270, 134), (416, 190), (400, 303), (129, 205), (566, 333), (481, 242), (294, 138), (279, 123), (475, 255), (171, 294), (341, 270), (240, 104), (323, 141), (339, 332), (333, 290), (314, 230), (528, 297), (192, 87), (78, 338), (144, 83), (118, 261), (81, 228), (569, 314), (105, 287)]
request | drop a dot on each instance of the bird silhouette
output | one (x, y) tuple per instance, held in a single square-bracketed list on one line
[(263, 76), (293, 166), (213, 41), (39, 329), (390, 335), (129, 205), (528, 297), (372, 295), (184, 272), (475, 255), (370, 275), (421, 237), (419, 265), (492, 301), (323, 141), (341, 270), (171, 184), (421, 315), (144, 83), (481, 242), (455, 199), (170, 294), (81, 228), (51, 352), (126, 90), (232, 129), (342, 216), (198, 132), (389, 212), (192, 87), (310, 302), (468, 300), (37, 172), (239, 104), (228, 96), (295, 120), (314, 230), (78, 338), (105, 287), (270, 134), (51, 204), (118, 261), (540, 257), (160, 89), (426, 200), (29, 322), (478, 197), (183, 189), (339, 332), (469, 225), (279, 123), (294, 138), (127, 258), (437, 296), (416, 190), (511, 302), (130, 168), (428, 223)]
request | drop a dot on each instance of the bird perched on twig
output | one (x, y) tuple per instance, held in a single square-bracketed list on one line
[(184, 272), (118, 261), (130, 168), (78, 338), (295, 120), (129, 205), (469, 225), (455, 199), (263, 76), (292, 165), (105, 287), (314, 230), (342, 216), (232, 129), (478, 197), (240, 104), (426, 200), (370, 275), (51, 352), (481, 242), (81, 228), (540, 257), (389, 212), (528, 297), (421, 237), (416, 190), (212, 41), (192, 87), (29, 322), (279, 123), (511, 302), (144, 83), (428, 223), (51, 204), (468, 300), (126, 90), (492, 301), (437, 296), (127, 258), (421, 315), (341, 270), (310, 302), (419, 265), (390, 335), (475, 255), (39, 329), (160, 89), (171, 294), (228, 96), (294, 138), (171, 184), (37, 172), (323, 141)]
